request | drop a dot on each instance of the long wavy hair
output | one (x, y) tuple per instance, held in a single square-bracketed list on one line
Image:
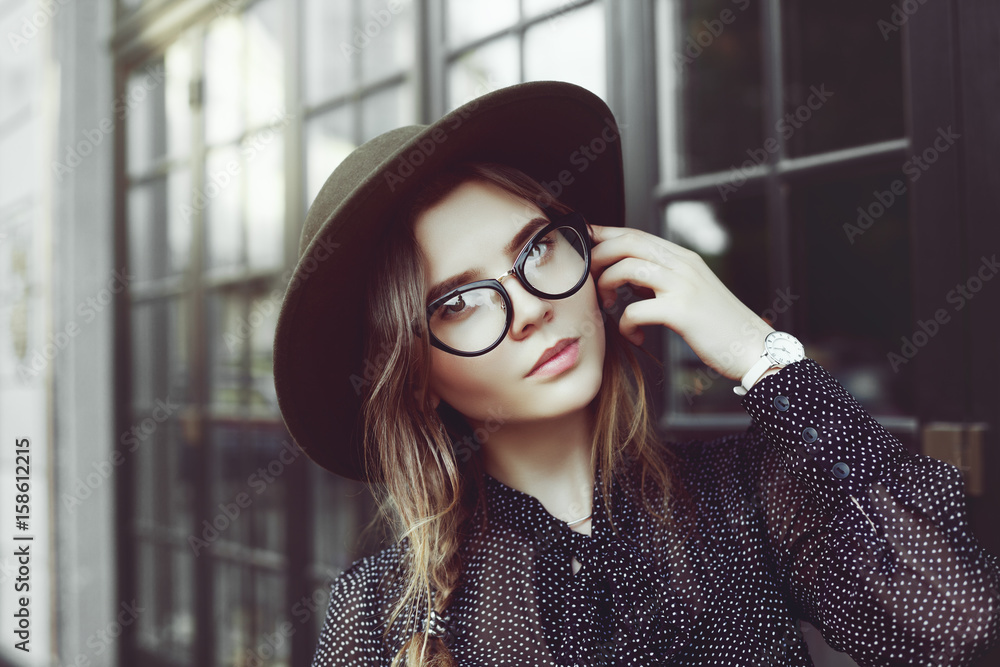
[(429, 489)]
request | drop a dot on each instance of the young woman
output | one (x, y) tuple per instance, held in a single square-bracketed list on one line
[(451, 335)]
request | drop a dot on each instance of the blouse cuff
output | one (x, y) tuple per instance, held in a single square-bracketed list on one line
[(825, 438)]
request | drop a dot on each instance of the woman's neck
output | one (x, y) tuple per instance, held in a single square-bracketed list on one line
[(549, 460)]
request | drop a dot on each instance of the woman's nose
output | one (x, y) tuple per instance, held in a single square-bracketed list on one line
[(528, 308)]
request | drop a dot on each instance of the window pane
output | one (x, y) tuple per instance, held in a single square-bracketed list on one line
[(224, 57), (142, 107), (329, 53), (225, 349), (732, 239), (386, 110), (328, 142), (177, 333), (337, 520), (271, 612), (569, 47), (268, 456), (180, 462), (391, 33), (844, 77), (857, 277), (178, 449), (264, 25), (231, 466), (182, 619), (145, 481), (144, 353), (149, 631), (178, 100), (262, 321), (159, 226), (535, 7), (471, 19), (489, 67), (233, 612), (709, 83), (179, 214), (264, 157), (220, 199), (147, 211)]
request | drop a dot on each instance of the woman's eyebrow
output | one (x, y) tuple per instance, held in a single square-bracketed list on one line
[(524, 235), (511, 249)]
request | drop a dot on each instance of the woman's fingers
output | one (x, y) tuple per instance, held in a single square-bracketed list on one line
[(615, 244), (642, 313), (635, 271)]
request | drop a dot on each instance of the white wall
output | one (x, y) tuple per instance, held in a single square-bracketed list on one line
[(55, 361)]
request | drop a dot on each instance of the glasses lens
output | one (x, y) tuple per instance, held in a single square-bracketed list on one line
[(470, 321), (556, 262)]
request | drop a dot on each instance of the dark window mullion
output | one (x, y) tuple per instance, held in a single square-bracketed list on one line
[(776, 197)]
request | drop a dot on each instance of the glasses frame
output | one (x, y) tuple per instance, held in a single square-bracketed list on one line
[(572, 219)]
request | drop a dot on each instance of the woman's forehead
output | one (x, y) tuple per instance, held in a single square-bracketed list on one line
[(473, 219)]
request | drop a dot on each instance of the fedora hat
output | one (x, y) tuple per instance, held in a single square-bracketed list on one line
[(562, 135)]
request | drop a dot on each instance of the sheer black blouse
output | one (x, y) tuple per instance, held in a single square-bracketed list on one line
[(815, 512)]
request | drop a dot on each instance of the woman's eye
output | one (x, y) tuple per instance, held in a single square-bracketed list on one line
[(455, 306), (540, 247)]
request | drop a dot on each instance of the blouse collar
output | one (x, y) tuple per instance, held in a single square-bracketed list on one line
[(525, 514), (645, 615)]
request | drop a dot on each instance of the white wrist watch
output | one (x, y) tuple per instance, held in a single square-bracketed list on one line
[(780, 349)]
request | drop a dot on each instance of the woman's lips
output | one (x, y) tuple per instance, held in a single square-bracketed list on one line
[(562, 361)]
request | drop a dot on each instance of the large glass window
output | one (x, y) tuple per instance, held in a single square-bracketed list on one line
[(231, 528), (781, 127), (495, 44)]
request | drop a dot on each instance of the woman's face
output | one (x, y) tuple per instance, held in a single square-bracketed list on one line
[(469, 229)]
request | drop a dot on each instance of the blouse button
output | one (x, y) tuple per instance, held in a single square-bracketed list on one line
[(841, 470), (781, 402), (809, 434)]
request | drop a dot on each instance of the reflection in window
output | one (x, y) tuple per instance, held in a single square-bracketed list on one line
[(385, 110), (226, 348), (179, 64), (569, 47), (839, 50), (223, 106), (264, 156), (481, 70), (141, 107), (710, 91), (261, 322), (264, 28), (219, 201), (858, 304), (389, 27), (328, 49), (469, 20), (732, 239), (328, 142)]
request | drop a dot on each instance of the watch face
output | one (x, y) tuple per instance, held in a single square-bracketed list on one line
[(784, 348)]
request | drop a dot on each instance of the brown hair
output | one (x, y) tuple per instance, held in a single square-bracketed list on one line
[(427, 494)]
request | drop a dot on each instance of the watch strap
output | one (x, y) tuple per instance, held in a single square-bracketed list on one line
[(759, 368)]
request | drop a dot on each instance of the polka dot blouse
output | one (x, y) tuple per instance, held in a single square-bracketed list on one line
[(816, 512)]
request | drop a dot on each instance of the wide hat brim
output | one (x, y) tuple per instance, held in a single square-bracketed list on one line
[(560, 134)]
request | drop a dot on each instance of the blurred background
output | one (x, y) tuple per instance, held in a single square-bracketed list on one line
[(832, 162)]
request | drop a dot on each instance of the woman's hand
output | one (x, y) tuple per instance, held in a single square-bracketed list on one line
[(686, 297)]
